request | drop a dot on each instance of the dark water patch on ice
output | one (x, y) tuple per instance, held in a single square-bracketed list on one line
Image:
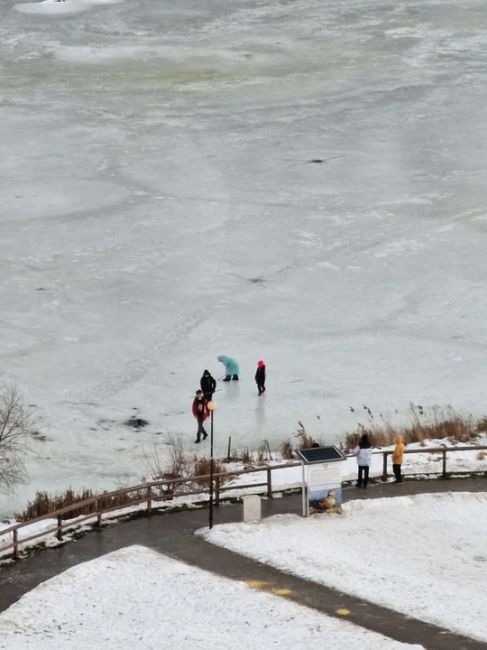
[(136, 423), (38, 435)]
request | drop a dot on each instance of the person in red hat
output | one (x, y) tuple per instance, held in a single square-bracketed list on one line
[(260, 377)]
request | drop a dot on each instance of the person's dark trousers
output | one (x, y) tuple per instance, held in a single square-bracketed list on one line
[(260, 388), (363, 475), (397, 473), (201, 430), (208, 396)]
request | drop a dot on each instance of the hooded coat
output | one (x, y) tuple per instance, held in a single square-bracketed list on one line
[(200, 409), (398, 451), (207, 383), (260, 373), (231, 365)]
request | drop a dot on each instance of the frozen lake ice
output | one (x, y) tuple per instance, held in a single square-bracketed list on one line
[(303, 182)]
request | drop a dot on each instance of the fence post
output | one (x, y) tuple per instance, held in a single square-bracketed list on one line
[(59, 533), (269, 483), (16, 544), (217, 491), (229, 448), (384, 466), (444, 462), (98, 514), (149, 498)]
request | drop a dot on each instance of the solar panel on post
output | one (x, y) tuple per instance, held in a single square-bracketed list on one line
[(320, 454)]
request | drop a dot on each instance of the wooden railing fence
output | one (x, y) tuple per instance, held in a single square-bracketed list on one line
[(442, 450), (166, 489)]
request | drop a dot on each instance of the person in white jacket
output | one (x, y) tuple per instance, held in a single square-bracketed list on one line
[(363, 452)]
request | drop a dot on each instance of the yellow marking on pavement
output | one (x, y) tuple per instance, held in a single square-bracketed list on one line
[(281, 592), (257, 584), (267, 586), (343, 612)]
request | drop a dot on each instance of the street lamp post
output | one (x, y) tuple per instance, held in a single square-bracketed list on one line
[(211, 407)]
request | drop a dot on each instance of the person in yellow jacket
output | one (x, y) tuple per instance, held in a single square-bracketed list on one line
[(397, 455)]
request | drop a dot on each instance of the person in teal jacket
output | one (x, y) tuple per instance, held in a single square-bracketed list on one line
[(231, 367)]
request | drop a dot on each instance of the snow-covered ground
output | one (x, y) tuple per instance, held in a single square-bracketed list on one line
[(159, 206), (423, 555), (137, 598)]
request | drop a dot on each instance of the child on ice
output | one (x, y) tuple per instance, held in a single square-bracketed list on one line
[(260, 377)]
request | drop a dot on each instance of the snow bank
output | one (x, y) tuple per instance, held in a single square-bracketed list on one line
[(141, 599)]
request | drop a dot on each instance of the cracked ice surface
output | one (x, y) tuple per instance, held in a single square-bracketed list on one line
[(159, 208)]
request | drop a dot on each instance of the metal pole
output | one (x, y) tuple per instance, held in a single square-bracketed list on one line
[(210, 510), (304, 492), (16, 544), (384, 466)]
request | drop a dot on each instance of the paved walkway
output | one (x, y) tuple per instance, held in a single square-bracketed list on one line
[(172, 534)]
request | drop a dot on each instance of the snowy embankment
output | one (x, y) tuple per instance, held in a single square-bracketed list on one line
[(138, 598), (420, 464), (282, 479), (423, 555)]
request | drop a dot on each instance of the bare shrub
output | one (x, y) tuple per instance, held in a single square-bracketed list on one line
[(14, 431), (175, 468), (178, 463)]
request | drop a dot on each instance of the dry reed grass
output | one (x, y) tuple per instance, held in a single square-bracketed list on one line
[(202, 467), (305, 441), (433, 423), (44, 503), (425, 424), (286, 450)]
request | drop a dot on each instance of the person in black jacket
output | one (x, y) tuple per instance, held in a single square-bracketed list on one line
[(260, 377), (208, 385)]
